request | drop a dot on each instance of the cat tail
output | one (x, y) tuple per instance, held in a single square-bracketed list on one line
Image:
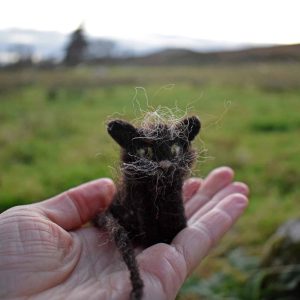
[(124, 245)]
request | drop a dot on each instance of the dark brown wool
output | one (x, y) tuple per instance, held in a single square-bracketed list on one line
[(148, 207)]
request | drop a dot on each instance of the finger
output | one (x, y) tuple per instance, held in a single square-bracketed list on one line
[(195, 241), (190, 187), (163, 271), (78, 205), (213, 183), (233, 188)]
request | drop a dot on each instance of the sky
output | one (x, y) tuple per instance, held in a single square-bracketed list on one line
[(255, 21)]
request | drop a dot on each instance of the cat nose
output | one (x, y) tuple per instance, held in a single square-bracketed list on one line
[(165, 164)]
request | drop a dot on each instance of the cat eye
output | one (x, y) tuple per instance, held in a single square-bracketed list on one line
[(146, 152), (175, 150)]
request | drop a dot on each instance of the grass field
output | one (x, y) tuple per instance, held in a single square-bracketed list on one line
[(53, 136)]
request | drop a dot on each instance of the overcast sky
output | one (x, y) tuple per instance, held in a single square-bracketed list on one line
[(255, 21)]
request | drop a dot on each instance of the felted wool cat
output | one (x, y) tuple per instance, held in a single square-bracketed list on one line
[(148, 206)]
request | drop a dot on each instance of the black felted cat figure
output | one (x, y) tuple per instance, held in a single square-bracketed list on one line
[(148, 207)]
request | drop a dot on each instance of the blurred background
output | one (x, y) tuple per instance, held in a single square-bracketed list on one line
[(66, 67)]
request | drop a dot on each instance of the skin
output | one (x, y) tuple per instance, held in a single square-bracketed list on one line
[(47, 253)]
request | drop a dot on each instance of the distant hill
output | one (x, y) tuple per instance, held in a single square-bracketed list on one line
[(43, 44), (157, 50), (289, 53), (47, 44)]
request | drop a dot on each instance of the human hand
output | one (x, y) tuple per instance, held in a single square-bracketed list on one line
[(45, 253)]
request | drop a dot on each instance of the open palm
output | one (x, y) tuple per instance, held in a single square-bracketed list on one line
[(46, 253)]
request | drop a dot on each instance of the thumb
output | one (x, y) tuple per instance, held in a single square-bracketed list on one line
[(75, 207)]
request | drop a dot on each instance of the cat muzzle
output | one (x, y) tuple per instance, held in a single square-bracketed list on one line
[(165, 164)]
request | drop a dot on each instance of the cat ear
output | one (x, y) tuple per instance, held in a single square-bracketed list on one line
[(122, 132), (191, 126)]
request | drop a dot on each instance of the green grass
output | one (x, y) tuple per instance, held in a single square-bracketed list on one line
[(53, 136)]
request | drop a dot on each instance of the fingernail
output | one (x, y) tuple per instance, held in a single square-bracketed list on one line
[(108, 189)]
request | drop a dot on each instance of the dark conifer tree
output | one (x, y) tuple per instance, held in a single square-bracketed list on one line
[(76, 48)]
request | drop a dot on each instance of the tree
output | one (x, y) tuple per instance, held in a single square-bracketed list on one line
[(75, 51)]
